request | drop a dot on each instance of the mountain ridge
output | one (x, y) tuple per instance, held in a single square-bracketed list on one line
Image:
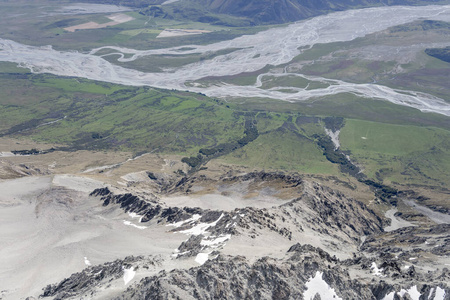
[(252, 12), (283, 11)]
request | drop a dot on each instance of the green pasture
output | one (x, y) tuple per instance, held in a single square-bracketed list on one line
[(283, 150), (399, 153)]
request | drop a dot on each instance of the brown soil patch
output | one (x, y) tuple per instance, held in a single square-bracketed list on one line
[(116, 19)]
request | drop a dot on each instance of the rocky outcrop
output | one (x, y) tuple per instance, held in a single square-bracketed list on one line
[(10, 170), (318, 211), (397, 265), (305, 270), (268, 278), (432, 239), (235, 278), (149, 210), (91, 278)]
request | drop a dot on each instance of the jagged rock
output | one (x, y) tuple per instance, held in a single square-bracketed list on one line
[(87, 280), (337, 219), (235, 278), (410, 239)]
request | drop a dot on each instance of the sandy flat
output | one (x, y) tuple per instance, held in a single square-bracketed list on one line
[(221, 202), (47, 230), (396, 222), (77, 183), (116, 19), (180, 32)]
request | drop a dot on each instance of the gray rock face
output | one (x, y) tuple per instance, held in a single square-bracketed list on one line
[(319, 210), (268, 278), (85, 282), (228, 277), (400, 264), (236, 278)]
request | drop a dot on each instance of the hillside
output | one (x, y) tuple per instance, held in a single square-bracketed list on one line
[(252, 12), (197, 149)]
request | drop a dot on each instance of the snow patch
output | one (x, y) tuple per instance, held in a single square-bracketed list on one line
[(413, 293), (334, 137), (128, 223), (316, 286), (202, 227), (87, 262), (214, 243), (6, 154), (190, 220), (229, 224), (135, 215), (176, 254), (128, 275), (389, 296), (440, 294), (201, 258), (376, 271)]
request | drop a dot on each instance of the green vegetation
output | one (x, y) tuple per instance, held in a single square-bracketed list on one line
[(337, 157), (92, 115), (84, 114), (291, 81), (421, 26), (334, 123), (347, 105), (384, 192), (401, 145), (157, 63), (440, 53), (206, 154), (384, 58), (76, 85), (286, 150), (104, 116), (130, 3), (238, 12), (399, 154), (193, 161), (139, 33)]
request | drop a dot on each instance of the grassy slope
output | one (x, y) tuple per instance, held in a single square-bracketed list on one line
[(141, 119), (139, 33), (107, 116), (283, 150), (353, 107), (368, 59), (399, 153), (137, 119)]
